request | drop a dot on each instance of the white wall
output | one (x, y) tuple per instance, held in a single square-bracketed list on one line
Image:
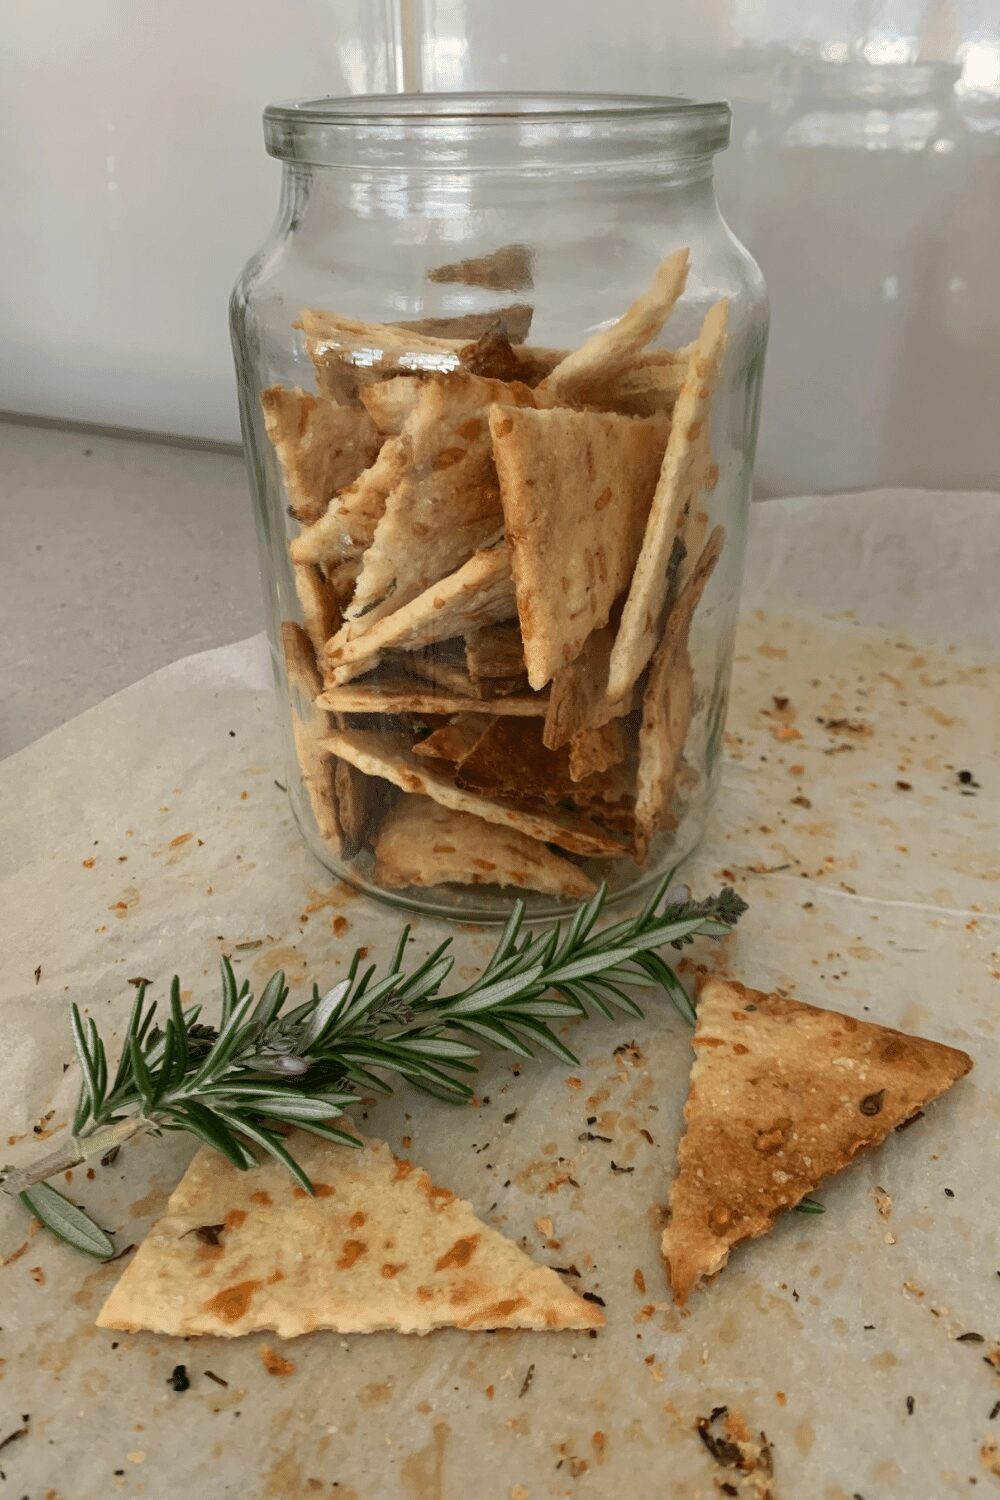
[(864, 174)]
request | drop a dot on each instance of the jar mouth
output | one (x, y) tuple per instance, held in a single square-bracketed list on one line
[(372, 129)]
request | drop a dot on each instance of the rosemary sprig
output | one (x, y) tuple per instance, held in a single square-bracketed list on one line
[(234, 1085)]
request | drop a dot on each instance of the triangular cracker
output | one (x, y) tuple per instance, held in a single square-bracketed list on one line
[(506, 269), (611, 350), (339, 538), (447, 501), (321, 447), (781, 1096), (595, 750), (378, 755), (422, 843), (640, 622), (578, 699), (378, 1247), (453, 741), (668, 703), (514, 319), (576, 488), (478, 593)]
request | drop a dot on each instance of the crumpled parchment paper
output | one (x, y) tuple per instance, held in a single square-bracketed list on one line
[(148, 836)]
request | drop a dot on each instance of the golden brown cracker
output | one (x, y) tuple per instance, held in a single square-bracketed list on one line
[(321, 447)]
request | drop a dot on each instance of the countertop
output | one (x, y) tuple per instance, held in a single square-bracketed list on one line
[(117, 555)]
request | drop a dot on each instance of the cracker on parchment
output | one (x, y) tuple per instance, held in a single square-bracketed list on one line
[(668, 703), (495, 651), (320, 610), (576, 488), (309, 727), (611, 350), (377, 755), (782, 1095), (595, 750), (506, 269), (422, 843), (341, 536), (639, 630), (478, 593), (377, 1247), (321, 447), (398, 693)]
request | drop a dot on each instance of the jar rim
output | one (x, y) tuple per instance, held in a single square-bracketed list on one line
[(318, 128)]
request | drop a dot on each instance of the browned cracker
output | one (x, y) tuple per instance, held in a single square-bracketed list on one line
[(309, 726), (340, 537), (321, 447), (576, 488), (506, 269), (422, 843), (595, 750), (377, 755), (639, 630), (514, 319), (667, 705), (782, 1095), (495, 651), (399, 693), (320, 611), (578, 697), (611, 350), (453, 741), (479, 593)]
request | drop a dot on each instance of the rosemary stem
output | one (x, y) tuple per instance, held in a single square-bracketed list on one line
[(72, 1153)]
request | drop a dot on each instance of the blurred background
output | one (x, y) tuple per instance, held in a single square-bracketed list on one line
[(864, 175)]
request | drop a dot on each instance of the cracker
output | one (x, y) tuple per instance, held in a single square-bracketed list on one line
[(506, 269), (320, 610), (594, 750), (321, 447), (423, 844), (453, 741), (362, 803), (399, 693), (377, 755), (510, 761), (378, 1247), (576, 488), (782, 1094), (611, 350), (480, 592), (309, 728), (668, 703), (444, 666), (640, 622), (341, 536), (578, 696), (495, 651), (515, 320), (390, 403)]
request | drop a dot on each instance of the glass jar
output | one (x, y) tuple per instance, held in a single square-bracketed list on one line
[(499, 365)]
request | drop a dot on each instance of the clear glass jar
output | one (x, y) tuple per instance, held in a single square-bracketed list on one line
[(501, 532)]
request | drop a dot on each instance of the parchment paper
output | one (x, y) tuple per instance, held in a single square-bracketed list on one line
[(148, 836)]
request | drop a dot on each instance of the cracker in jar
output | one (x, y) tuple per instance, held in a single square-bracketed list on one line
[(338, 539), (683, 465), (668, 702), (378, 755), (595, 750), (515, 320), (506, 269), (320, 610), (321, 447), (576, 488), (578, 695), (387, 692), (424, 844), (612, 350), (309, 728), (452, 742), (480, 592), (495, 651)]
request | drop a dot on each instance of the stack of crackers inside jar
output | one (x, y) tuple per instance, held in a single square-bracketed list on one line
[(500, 551)]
